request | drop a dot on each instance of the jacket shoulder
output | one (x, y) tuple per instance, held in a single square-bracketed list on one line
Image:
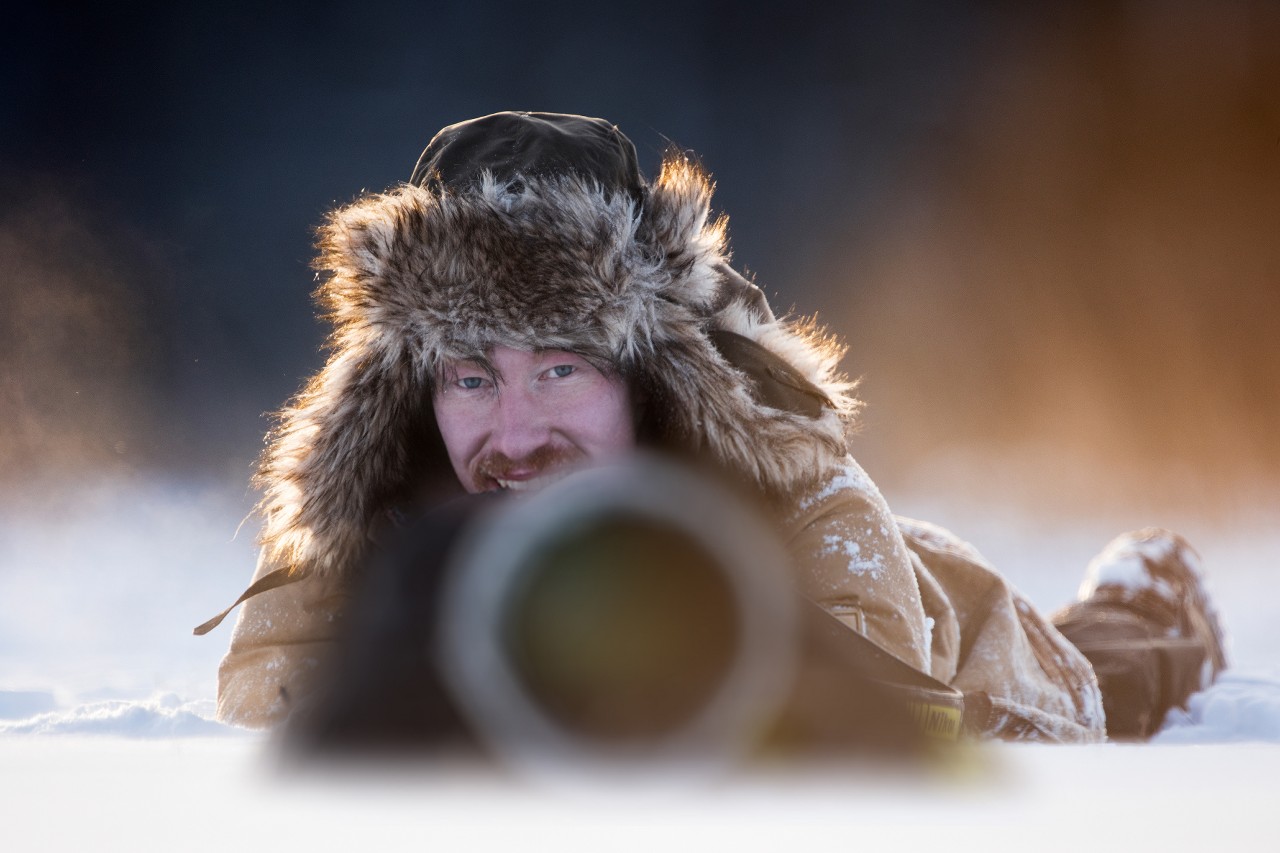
[(849, 557), (281, 638)]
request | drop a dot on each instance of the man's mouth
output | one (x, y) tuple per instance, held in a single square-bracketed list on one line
[(532, 484), (536, 471)]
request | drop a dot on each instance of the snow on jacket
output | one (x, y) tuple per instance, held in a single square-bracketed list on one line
[(635, 276), (928, 597)]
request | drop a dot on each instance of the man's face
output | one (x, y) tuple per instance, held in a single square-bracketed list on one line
[(548, 412)]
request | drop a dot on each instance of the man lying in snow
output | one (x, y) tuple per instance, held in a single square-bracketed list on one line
[(529, 304)]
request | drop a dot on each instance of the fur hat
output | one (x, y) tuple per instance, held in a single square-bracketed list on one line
[(535, 230)]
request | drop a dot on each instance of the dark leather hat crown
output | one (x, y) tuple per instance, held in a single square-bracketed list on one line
[(509, 144)]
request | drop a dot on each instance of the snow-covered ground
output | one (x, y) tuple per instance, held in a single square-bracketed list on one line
[(106, 737), (77, 793)]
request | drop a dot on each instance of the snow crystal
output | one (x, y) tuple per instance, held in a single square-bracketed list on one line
[(849, 477), (858, 565), (1241, 706), (1123, 563), (16, 704), (1128, 571), (161, 716)]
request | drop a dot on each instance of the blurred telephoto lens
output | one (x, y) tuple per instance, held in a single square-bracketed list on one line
[(622, 629)]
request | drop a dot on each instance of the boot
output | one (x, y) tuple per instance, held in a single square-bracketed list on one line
[(1146, 623)]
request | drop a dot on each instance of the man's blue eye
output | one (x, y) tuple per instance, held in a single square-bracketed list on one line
[(562, 370), (471, 383)]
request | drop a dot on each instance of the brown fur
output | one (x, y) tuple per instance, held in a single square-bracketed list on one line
[(417, 277)]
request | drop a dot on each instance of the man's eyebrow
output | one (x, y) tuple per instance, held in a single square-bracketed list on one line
[(596, 360), (447, 369), (542, 352)]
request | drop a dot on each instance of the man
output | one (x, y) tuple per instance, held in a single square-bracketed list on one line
[(528, 305)]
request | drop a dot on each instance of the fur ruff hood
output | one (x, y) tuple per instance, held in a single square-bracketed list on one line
[(419, 275)]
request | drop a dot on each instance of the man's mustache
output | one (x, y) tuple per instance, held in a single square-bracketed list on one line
[(499, 466)]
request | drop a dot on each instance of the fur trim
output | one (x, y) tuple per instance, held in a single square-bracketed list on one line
[(418, 277)]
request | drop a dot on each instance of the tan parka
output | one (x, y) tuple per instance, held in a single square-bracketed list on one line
[(914, 589), (536, 230)]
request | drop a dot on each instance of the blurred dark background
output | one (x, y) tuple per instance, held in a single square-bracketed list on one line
[(1049, 232)]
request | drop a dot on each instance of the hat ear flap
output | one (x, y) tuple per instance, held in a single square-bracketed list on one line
[(341, 448), (677, 224), (709, 408)]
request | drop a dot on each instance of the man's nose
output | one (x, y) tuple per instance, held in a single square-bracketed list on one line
[(522, 424)]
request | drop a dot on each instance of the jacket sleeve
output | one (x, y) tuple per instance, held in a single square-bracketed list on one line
[(849, 557), (1022, 679), (280, 638)]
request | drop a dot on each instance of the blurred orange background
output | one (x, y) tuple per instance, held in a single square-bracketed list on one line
[(1076, 300)]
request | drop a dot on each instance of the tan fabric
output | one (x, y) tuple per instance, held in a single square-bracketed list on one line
[(914, 589), (849, 557), (931, 600), (279, 640)]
